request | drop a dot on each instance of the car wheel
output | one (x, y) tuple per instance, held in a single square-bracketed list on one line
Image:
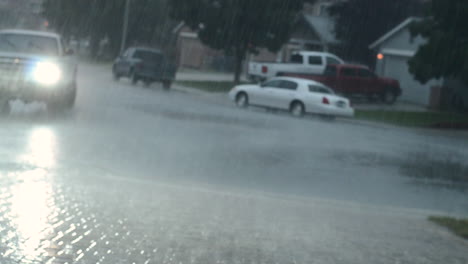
[(167, 84), (242, 100), (65, 102), (389, 96), (297, 109), (115, 74), (5, 108), (134, 78), (70, 98)]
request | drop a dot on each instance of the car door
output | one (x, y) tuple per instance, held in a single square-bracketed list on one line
[(316, 65), (282, 95), (123, 64), (367, 81), (262, 94), (298, 62), (349, 81), (315, 97)]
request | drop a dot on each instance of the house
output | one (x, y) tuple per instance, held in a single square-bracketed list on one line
[(393, 50), (313, 31), (192, 53)]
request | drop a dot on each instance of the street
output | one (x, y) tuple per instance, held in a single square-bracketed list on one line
[(140, 175)]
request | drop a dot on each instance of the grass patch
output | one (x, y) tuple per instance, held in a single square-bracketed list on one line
[(415, 119), (457, 226), (209, 86)]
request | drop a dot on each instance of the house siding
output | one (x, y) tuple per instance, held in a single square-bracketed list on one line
[(397, 51)]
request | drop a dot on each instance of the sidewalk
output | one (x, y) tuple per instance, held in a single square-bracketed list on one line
[(197, 75)]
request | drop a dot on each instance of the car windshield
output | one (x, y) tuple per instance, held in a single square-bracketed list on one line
[(32, 44), (234, 131)]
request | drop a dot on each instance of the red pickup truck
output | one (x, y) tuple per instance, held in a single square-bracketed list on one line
[(355, 80)]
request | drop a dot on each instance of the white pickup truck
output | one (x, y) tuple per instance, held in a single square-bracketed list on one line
[(308, 62)]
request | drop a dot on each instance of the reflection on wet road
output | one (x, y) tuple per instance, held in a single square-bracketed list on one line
[(137, 175)]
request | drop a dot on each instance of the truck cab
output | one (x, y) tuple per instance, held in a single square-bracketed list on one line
[(307, 62)]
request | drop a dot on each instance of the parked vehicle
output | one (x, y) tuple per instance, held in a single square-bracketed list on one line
[(146, 65), (299, 96), (308, 62), (350, 80), (34, 67)]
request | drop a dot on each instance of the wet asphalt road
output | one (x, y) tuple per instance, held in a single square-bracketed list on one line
[(138, 175)]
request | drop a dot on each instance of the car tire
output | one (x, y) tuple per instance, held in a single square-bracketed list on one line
[(134, 78), (66, 102), (242, 100), (115, 74), (297, 109), (389, 96), (166, 84)]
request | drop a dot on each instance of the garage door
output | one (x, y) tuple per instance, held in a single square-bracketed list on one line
[(396, 67)]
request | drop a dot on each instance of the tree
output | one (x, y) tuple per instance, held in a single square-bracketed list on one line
[(446, 52), (358, 23), (149, 21), (239, 26)]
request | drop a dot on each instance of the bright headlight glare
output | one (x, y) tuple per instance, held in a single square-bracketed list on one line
[(47, 73)]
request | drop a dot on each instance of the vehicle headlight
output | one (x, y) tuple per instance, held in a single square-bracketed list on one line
[(47, 73)]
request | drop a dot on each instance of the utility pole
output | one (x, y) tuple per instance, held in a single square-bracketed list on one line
[(125, 26)]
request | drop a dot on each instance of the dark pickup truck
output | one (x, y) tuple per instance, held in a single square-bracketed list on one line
[(351, 80), (144, 64)]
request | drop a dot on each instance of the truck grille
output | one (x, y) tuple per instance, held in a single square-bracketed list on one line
[(13, 69)]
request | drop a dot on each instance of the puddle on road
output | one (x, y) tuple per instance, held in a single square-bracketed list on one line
[(207, 118), (446, 170)]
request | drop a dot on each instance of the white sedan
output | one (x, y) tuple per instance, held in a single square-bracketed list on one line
[(299, 96)]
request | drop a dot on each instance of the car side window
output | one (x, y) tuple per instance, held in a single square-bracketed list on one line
[(320, 89), (272, 84), (315, 60), (365, 73), (348, 72), (331, 61), (288, 85), (297, 58)]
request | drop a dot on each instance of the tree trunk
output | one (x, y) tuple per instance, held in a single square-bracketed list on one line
[(239, 59)]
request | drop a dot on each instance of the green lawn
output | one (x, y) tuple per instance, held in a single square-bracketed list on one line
[(457, 226), (209, 86), (421, 119)]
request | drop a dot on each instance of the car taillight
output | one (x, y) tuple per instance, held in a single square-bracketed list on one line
[(325, 101), (264, 69)]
